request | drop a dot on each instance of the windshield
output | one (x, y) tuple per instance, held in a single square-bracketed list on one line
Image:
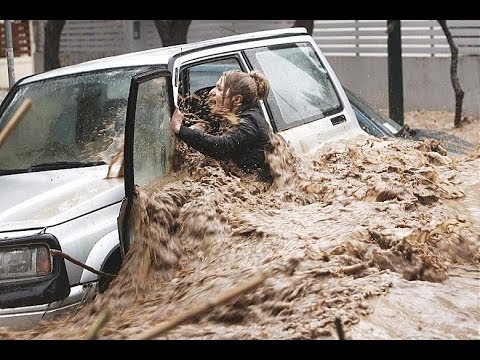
[(77, 119), (299, 83)]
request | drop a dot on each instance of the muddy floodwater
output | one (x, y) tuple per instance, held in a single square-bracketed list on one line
[(378, 239)]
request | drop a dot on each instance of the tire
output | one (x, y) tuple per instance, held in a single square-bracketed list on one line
[(111, 266)]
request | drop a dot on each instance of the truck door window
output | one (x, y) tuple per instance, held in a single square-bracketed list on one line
[(205, 74), (152, 143)]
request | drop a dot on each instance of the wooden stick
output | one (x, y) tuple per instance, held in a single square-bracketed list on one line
[(15, 119), (79, 263), (101, 319), (248, 285), (349, 270)]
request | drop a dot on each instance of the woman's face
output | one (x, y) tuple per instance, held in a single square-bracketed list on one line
[(220, 99)]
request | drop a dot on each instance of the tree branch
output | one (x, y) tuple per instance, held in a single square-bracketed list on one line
[(453, 74), (250, 284)]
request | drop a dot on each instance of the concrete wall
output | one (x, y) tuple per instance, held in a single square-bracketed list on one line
[(23, 66), (426, 81)]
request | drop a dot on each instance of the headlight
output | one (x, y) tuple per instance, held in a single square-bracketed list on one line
[(19, 262)]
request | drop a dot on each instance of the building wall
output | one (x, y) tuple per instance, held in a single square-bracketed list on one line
[(143, 35), (23, 50)]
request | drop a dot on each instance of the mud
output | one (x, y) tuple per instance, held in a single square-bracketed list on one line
[(358, 231)]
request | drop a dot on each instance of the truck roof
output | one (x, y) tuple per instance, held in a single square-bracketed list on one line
[(162, 55)]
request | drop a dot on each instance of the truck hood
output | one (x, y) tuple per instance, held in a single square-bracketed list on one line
[(46, 198)]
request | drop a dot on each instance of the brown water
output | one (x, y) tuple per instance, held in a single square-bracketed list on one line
[(381, 234)]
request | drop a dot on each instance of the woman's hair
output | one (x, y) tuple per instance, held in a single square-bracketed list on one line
[(253, 86)]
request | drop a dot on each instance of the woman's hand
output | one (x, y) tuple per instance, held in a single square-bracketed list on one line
[(176, 121)]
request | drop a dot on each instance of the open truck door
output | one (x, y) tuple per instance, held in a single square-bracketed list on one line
[(148, 141)]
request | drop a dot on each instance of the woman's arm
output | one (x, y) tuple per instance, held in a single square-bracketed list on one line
[(221, 147)]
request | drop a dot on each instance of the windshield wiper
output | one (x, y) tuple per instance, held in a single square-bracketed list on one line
[(63, 165), (52, 166)]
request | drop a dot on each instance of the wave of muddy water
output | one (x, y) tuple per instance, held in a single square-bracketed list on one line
[(380, 234)]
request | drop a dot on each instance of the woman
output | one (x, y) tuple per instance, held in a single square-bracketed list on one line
[(247, 142)]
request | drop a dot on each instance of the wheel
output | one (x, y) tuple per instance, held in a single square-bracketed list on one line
[(111, 266)]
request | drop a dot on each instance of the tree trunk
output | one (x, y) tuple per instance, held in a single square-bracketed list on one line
[(307, 24), (453, 74), (173, 32), (53, 30)]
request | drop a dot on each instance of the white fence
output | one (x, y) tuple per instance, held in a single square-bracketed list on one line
[(420, 38), (357, 49)]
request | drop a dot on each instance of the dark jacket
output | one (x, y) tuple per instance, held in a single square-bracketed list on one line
[(245, 144)]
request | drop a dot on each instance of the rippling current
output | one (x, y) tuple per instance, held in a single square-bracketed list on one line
[(379, 235)]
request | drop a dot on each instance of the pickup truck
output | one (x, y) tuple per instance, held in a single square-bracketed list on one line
[(59, 205)]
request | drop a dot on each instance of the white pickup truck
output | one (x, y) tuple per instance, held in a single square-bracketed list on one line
[(55, 193)]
